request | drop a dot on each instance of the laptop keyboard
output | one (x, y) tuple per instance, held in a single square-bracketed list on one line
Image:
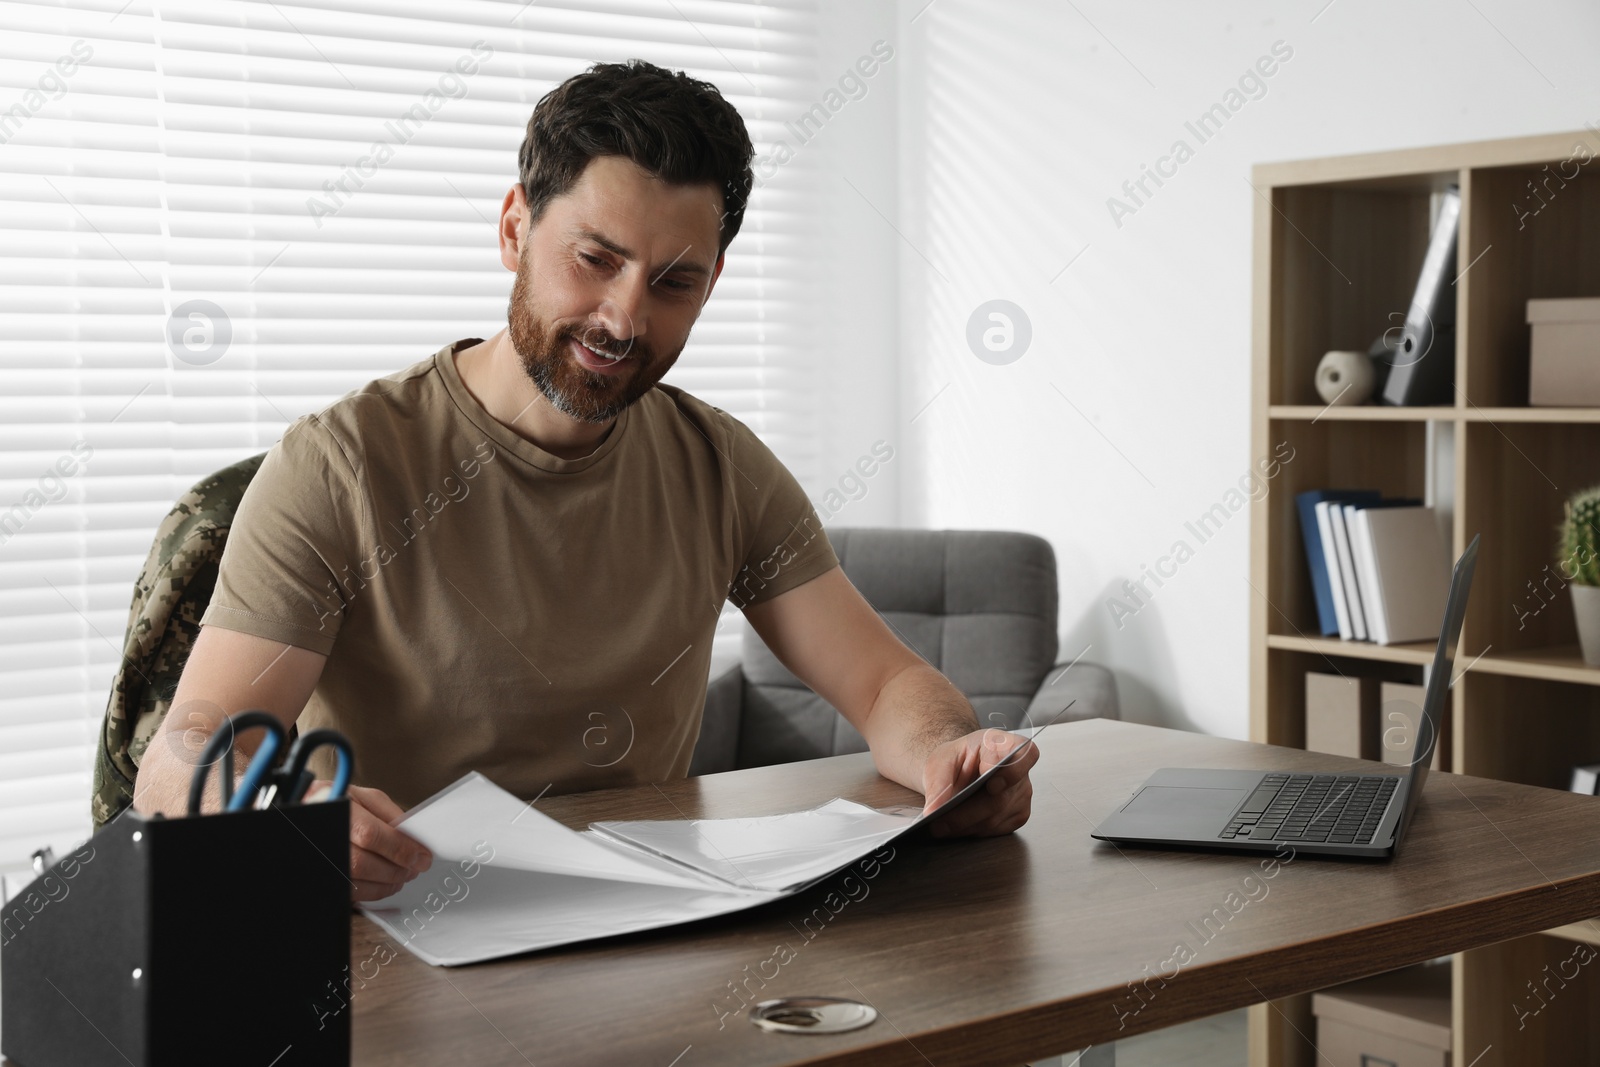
[(1336, 809)]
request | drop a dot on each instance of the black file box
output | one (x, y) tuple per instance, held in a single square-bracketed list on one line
[(219, 938)]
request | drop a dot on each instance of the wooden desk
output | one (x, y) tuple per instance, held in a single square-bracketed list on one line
[(1001, 950)]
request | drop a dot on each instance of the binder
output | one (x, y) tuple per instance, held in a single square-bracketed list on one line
[(1424, 361)]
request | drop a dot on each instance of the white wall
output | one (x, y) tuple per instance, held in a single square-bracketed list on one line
[(849, 167), (858, 306), (1128, 414)]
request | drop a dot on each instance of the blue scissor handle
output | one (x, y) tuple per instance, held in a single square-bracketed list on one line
[(219, 749), (286, 782), (294, 781), (255, 775)]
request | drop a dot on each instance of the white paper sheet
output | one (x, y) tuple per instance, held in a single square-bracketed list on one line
[(773, 852), (507, 878), (502, 911), (474, 816)]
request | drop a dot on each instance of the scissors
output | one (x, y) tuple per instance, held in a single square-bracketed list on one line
[(267, 783)]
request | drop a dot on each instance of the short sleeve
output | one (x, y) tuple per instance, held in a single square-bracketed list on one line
[(783, 544), (292, 539)]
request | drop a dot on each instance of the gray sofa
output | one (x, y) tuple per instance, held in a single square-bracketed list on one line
[(979, 605)]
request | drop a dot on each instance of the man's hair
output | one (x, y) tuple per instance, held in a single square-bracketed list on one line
[(674, 126)]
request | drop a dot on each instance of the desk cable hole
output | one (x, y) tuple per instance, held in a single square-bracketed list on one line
[(811, 1015)]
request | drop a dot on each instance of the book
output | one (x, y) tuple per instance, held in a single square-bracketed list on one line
[(1586, 779), (1359, 528), (1330, 558), (1410, 573), (1358, 532), (1347, 572), (1316, 559)]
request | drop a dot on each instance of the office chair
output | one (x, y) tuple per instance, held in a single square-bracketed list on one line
[(979, 605)]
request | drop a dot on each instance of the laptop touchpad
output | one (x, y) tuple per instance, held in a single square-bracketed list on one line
[(1184, 800)]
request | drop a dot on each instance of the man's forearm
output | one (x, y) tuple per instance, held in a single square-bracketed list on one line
[(169, 766), (163, 783), (225, 670), (156, 787), (916, 711)]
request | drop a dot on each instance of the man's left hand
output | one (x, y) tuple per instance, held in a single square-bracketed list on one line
[(1004, 802)]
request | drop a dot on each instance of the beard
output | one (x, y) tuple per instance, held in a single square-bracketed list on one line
[(571, 388)]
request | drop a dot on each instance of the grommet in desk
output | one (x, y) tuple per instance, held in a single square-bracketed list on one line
[(812, 1015)]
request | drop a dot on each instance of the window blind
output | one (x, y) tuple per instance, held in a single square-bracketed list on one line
[(217, 215)]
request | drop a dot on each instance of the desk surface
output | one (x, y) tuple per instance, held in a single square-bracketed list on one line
[(1000, 950)]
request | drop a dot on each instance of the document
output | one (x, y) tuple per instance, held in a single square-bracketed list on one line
[(774, 853), (507, 878)]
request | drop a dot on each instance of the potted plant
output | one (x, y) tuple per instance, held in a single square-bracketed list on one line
[(1580, 565)]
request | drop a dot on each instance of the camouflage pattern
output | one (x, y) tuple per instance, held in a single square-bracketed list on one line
[(169, 598)]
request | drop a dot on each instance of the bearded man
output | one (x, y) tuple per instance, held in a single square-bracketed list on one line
[(475, 563)]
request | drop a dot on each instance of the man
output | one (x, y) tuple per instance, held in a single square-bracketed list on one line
[(511, 557)]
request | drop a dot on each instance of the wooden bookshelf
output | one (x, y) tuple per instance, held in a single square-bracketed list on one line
[(1337, 246)]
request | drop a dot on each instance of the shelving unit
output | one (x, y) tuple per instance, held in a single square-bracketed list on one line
[(1338, 244)]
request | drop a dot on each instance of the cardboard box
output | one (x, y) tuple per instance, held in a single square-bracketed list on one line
[(1564, 352), (1400, 716), (1400, 1019), (1342, 715)]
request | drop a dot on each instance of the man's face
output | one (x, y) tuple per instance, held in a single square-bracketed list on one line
[(618, 266)]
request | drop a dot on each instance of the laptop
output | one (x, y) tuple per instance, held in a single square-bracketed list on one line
[(1334, 814)]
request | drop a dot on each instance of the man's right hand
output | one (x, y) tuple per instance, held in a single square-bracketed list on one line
[(228, 669), (382, 858)]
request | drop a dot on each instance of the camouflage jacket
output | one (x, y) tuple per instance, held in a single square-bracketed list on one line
[(169, 598)]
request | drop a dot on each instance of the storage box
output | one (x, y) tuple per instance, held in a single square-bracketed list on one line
[(1399, 1019), (1342, 715), (1564, 357), (220, 938), (1400, 717)]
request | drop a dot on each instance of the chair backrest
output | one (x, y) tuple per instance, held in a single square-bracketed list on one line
[(979, 605), (169, 597)]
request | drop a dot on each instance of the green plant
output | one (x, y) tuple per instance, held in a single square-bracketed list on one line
[(1580, 538)]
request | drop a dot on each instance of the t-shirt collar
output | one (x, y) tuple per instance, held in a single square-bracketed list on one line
[(503, 436)]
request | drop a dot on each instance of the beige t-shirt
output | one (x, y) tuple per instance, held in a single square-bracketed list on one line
[(485, 605)]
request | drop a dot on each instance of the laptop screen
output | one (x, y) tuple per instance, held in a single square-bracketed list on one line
[(1434, 707)]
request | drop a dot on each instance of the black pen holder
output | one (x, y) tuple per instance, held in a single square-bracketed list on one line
[(218, 938)]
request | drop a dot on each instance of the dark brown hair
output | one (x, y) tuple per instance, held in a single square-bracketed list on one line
[(676, 127)]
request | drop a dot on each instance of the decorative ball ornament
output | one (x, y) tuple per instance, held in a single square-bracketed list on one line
[(1345, 378)]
